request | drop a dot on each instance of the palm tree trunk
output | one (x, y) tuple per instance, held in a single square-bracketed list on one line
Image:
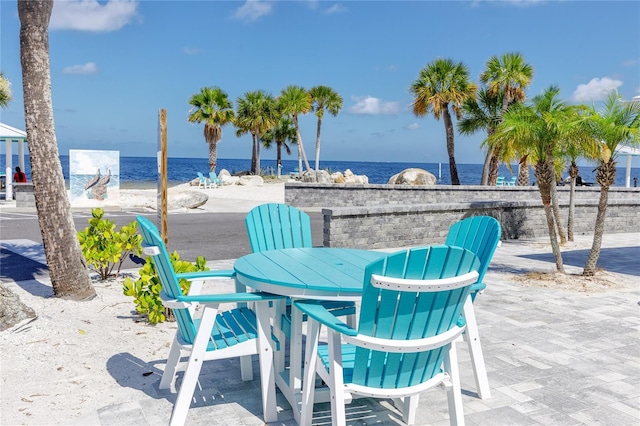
[(318, 144), (544, 176), (485, 168), (573, 173), (254, 153), (554, 200), (523, 172), (258, 169), (300, 147), (493, 169), (66, 264), (605, 176), (213, 156), (448, 126)]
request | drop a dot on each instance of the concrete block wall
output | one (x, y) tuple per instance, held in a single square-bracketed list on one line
[(385, 216), (24, 195)]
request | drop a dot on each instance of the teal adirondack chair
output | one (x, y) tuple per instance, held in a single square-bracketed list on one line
[(481, 235), (500, 181), (512, 181), (214, 334), (214, 180), (203, 181), (276, 226), (409, 319)]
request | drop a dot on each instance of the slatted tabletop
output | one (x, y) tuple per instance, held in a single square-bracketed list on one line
[(319, 272)]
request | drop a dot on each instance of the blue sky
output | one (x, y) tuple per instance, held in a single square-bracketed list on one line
[(114, 64)]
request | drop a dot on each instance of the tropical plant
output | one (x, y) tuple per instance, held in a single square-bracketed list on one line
[(5, 91), (323, 97), (211, 106), (540, 126), (483, 113), (509, 75), (146, 289), (284, 130), (440, 85), (106, 248), (614, 124), (67, 268), (256, 113), (295, 100)]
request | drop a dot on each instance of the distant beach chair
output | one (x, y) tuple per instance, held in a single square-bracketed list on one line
[(295, 172), (500, 181), (214, 180), (512, 182), (204, 181)]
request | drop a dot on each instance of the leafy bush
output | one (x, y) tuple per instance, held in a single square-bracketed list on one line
[(146, 290), (104, 247)]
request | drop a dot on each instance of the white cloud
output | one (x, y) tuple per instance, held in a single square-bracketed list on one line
[(595, 90), (413, 126), (368, 105), (88, 68), (336, 8), (190, 50), (89, 15), (252, 10)]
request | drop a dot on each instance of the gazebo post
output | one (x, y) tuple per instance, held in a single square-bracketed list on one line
[(21, 155), (9, 173), (628, 173)]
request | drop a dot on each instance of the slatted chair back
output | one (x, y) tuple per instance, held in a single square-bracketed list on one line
[(276, 226), (398, 304), (500, 181), (214, 179), (167, 275), (480, 234)]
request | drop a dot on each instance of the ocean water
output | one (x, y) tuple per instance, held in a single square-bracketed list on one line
[(143, 170)]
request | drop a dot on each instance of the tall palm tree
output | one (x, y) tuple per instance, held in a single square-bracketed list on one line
[(67, 267), (483, 114), (295, 100), (256, 113), (616, 123), (440, 85), (284, 130), (539, 127), (323, 97), (511, 75), (212, 106), (5, 91)]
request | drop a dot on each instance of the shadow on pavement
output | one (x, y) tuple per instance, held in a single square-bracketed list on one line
[(622, 260), (25, 272)]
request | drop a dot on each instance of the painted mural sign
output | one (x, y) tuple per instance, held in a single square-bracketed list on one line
[(94, 178)]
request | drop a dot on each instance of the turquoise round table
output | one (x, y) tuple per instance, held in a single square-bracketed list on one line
[(303, 273)]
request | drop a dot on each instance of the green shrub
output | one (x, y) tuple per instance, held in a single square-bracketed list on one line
[(146, 290), (106, 248)]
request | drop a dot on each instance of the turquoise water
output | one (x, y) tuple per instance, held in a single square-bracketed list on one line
[(144, 169)]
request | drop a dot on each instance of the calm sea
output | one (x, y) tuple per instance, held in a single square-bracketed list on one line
[(143, 170)]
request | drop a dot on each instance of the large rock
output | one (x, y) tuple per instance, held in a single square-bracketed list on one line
[(413, 176), (251, 180), (179, 198), (349, 177), (226, 178), (321, 176)]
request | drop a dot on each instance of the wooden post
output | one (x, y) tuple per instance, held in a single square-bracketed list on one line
[(163, 224)]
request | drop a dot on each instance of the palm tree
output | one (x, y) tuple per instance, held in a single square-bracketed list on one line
[(256, 113), (295, 100), (511, 75), (616, 123), (284, 130), (440, 85), (483, 114), (212, 106), (67, 267), (323, 97), (5, 91), (539, 127)]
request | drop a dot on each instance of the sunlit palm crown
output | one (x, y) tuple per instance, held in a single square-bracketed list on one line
[(323, 97), (509, 73), (256, 112), (211, 106), (295, 100), (617, 122), (5, 91), (440, 84)]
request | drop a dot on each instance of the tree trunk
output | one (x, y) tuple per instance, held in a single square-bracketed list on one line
[(573, 173), (213, 156), (258, 171), (300, 147), (448, 125), (554, 201), (544, 176), (605, 176), (493, 170), (318, 144), (67, 268), (485, 168), (523, 172), (254, 153)]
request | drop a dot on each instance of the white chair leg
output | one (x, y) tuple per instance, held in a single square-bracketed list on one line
[(267, 378), (454, 392), (409, 406), (190, 379), (309, 382), (472, 337), (338, 409), (169, 374), (279, 308)]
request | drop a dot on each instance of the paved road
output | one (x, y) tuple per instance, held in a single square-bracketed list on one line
[(215, 236)]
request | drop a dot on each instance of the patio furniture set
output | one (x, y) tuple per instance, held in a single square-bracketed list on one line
[(373, 324)]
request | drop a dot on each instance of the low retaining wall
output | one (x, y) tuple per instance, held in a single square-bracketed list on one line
[(383, 216), (24, 194)]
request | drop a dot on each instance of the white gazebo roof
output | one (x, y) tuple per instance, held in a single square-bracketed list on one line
[(627, 150), (11, 133)]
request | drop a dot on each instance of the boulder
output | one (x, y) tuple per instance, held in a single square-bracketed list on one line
[(179, 198), (251, 180), (413, 176), (337, 177), (320, 176), (226, 178), (349, 177)]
